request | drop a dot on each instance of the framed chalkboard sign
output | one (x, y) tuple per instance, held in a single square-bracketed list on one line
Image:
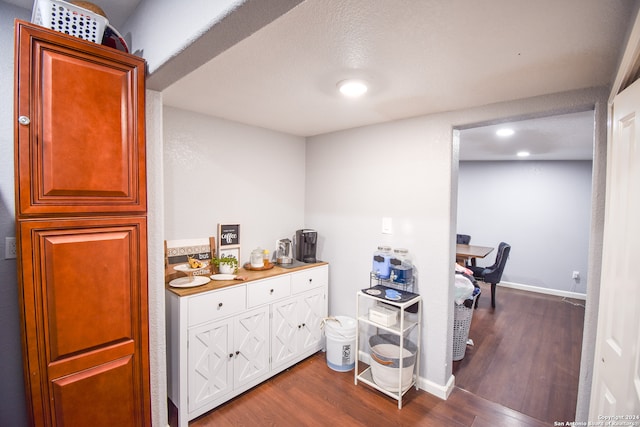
[(228, 235)]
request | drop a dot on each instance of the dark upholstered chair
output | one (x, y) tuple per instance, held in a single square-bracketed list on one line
[(463, 239), (493, 273)]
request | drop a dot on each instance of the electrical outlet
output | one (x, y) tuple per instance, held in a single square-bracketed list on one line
[(9, 248)]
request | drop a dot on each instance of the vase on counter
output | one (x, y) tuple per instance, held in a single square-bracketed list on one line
[(225, 268)]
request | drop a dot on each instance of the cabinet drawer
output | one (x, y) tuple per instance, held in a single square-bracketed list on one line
[(309, 279), (216, 304), (266, 291)]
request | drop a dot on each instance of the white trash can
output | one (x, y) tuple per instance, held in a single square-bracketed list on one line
[(341, 343)]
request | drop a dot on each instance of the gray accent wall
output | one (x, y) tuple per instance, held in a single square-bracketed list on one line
[(12, 403), (541, 208)]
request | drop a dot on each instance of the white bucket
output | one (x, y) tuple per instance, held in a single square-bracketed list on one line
[(341, 343)]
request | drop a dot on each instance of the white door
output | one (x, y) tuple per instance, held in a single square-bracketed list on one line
[(210, 362), (312, 311), (284, 332), (251, 356), (616, 378)]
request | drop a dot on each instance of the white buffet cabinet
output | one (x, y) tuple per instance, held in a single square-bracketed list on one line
[(224, 338)]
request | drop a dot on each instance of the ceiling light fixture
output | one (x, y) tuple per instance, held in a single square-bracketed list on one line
[(504, 132), (352, 88), (523, 154)]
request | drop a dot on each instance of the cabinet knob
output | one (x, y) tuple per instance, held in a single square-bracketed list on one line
[(304, 324), (219, 305), (24, 120), (271, 291), (310, 280), (230, 355), (299, 326), (237, 352)]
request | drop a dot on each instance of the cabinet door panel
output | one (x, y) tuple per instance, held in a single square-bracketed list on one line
[(251, 336), (284, 332), (313, 308), (76, 405), (86, 289), (74, 301), (210, 361), (84, 150)]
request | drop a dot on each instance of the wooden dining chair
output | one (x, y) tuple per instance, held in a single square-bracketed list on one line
[(493, 273)]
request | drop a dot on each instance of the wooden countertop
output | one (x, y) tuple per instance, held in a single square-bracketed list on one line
[(249, 274)]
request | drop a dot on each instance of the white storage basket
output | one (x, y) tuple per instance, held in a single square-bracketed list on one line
[(69, 19)]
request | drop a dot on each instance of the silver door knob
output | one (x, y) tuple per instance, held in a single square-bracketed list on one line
[(24, 120)]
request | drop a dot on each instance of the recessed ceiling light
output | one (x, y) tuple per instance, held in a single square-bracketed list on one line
[(504, 132), (352, 88), (523, 154)]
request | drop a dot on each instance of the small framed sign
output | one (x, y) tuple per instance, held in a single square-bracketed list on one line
[(229, 241), (230, 253), (228, 235)]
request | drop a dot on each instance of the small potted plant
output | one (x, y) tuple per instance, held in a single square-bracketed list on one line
[(226, 265)]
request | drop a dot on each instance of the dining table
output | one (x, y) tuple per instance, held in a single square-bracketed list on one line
[(470, 253)]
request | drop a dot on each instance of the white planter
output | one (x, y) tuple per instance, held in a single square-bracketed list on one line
[(226, 269)]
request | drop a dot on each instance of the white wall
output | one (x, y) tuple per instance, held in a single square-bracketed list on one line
[(155, 248), (218, 171), (406, 170), (542, 209), (12, 403)]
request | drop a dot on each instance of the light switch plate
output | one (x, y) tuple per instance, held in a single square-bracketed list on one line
[(387, 225)]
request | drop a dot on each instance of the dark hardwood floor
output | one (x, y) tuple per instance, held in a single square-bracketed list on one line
[(522, 372), (526, 354), (311, 394)]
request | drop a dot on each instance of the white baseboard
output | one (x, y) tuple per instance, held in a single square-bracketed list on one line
[(540, 290), (437, 390)]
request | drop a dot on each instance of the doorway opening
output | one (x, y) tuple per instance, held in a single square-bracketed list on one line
[(541, 206)]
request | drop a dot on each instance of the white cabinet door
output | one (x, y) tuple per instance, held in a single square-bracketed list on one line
[(251, 349), (210, 356), (296, 326), (284, 332), (312, 309)]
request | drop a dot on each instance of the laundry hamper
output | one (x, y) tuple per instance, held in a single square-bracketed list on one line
[(70, 19), (461, 323)]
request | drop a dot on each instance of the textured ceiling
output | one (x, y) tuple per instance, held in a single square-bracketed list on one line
[(420, 57), (560, 137)]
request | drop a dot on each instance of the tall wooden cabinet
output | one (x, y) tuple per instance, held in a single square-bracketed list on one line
[(81, 230)]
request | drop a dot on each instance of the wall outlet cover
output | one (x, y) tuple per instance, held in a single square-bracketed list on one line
[(10, 248)]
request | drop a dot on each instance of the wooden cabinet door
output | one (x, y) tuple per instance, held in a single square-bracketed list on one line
[(83, 148), (84, 296)]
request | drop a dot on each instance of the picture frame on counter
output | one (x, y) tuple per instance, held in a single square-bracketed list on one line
[(230, 253), (229, 241), (229, 235)]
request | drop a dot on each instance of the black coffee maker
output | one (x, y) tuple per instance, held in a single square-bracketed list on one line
[(306, 243)]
